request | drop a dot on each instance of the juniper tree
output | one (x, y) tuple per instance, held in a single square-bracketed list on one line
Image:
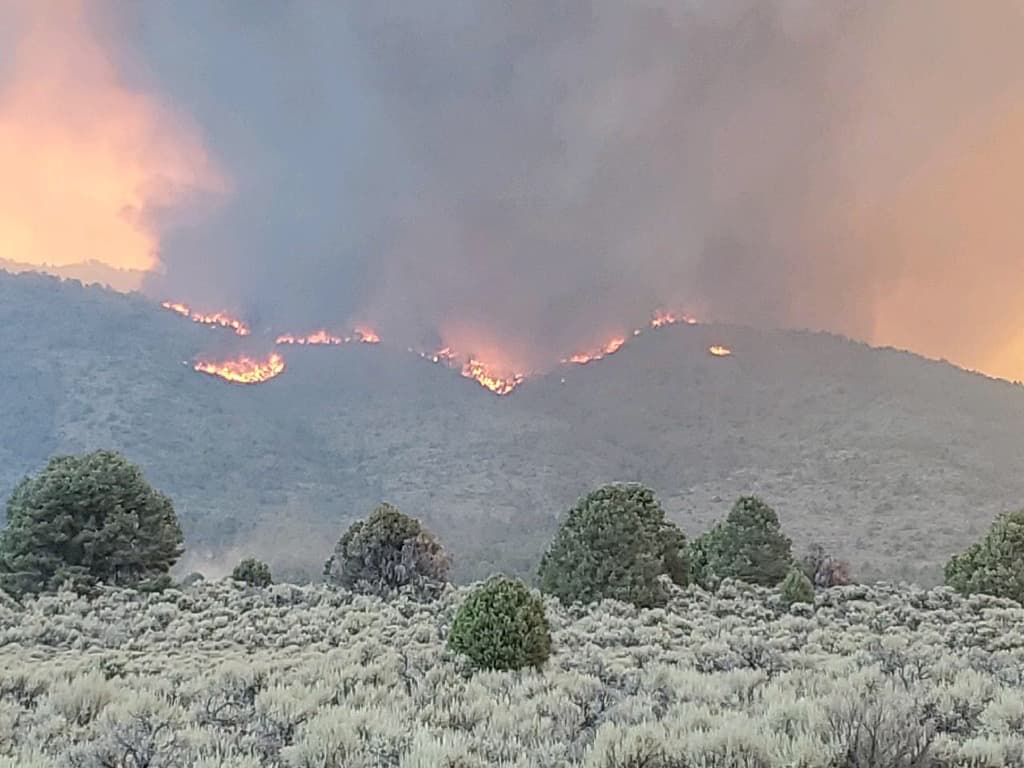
[(994, 565), (502, 626), (797, 587), (615, 543), (88, 519), (254, 572), (748, 546), (388, 552)]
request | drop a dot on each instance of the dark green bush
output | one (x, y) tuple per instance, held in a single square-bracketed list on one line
[(502, 626), (615, 543), (994, 565), (254, 572), (386, 553), (796, 587), (748, 546), (85, 520)]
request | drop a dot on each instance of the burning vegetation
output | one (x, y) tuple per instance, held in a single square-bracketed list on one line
[(320, 337), (485, 376), (662, 318), (323, 338), (366, 336), (501, 380), (610, 348), (244, 370), (215, 320)]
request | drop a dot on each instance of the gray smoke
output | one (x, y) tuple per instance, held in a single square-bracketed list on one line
[(543, 172)]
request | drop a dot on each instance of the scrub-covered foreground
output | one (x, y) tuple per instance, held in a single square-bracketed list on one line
[(222, 674)]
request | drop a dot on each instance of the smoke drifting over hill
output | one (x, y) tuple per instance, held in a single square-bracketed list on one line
[(518, 180)]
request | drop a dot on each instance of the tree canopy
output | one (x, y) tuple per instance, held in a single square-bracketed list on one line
[(88, 519), (748, 546), (387, 552), (994, 565), (502, 626), (615, 543)]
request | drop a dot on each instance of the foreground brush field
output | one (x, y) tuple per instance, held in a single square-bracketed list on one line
[(220, 674)]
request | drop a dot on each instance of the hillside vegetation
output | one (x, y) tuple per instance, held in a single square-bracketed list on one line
[(221, 674), (893, 462)]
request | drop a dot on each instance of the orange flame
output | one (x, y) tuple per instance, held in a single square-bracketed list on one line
[(86, 158), (662, 318), (610, 348), (367, 336), (320, 337), (217, 319), (244, 370), (719, 351), (443, 355), (178, 307), (499, 385)]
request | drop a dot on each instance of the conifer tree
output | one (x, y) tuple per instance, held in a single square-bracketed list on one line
[(88, 519), (994, 565), (388, 552), (748, 546), (615, 543)]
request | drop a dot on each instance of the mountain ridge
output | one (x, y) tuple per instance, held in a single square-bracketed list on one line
[(864, 449)]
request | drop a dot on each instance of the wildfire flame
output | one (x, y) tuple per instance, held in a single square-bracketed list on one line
[(662, 318), (719, 351), (323, 338), (610, 348), (481, 373), (443, 355), (366, 336), (499, 379), (244, 370), (217, 319), (320, 337)]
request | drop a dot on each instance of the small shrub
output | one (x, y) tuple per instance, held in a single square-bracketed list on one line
[(823, 570), (386, 553), (615, 543), (254, 572), (797, 588), (502, 626)]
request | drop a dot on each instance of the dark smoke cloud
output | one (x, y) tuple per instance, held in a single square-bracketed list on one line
[(540, 173)]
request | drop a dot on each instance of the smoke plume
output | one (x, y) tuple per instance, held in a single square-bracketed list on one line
[(88, 163), (520, 180)]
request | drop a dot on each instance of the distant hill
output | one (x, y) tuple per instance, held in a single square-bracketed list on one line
[(89, 272), (892, 461)]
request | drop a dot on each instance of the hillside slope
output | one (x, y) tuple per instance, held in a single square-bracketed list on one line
[(891, 460)]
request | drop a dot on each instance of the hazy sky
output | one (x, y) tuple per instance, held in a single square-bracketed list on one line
[(526, 178)]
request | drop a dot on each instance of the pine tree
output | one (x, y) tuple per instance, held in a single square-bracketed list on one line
[(88, 519)]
